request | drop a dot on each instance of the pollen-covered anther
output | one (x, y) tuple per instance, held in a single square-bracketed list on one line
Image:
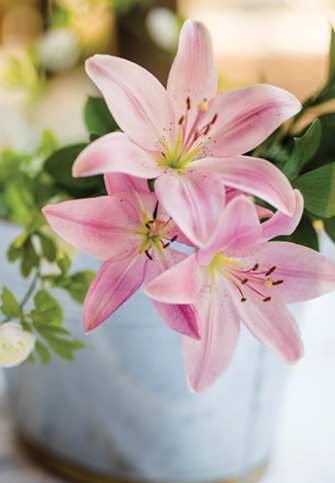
[(243, 282), (181, 120), (268, 283), (148, 254), (270, 271), (255, 267), (243, 299), (203, 106), (267, 299), (188, 103)]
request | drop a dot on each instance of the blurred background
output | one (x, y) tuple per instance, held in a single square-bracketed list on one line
[(43, 85), (43, 45)]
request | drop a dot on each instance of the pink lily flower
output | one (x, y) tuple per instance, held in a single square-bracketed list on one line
[(243, 276), (121, 230), (187, 138)]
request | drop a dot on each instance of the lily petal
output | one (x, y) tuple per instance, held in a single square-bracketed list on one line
[(271, 324), (135, 190), (116, 153), (246, 117), (207, 359), (114, 283), (194, 199), (306, 274), (101, 227), (182, 318), (193, 73), (178, 285), (255, 176), (281, 224), (241, 217), (137, 100)]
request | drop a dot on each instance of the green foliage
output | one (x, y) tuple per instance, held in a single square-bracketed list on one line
[(318, 189), (99, 120), (47, 309), (304, 149), (329, 225), (43, 352), (10, 306), (59, 339), (23, 249)]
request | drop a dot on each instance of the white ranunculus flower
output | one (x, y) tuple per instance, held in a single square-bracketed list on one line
[(15, 344)]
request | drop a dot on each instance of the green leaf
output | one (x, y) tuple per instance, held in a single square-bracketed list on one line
[(98, 119), (49, 144), (64, 264), (43, 352), (10, 306), (48, 247), (305, 148), (304, 234), (63, 346), (78, 284), (326, 151), (59, 167), (318, 189), (47, 309), (29, 258), (329, 225), (15, 249)]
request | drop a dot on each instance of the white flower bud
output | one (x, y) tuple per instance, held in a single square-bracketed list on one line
[(15, 344)]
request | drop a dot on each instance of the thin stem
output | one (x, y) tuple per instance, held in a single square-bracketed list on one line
[(28, 294)]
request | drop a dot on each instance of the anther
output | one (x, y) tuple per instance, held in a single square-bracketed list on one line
[(181, 120), (214, 119), (268, 283), (243, 299), (203, 106), (174, 238), (165, 245), (148, 225), (270, 271), (196, 135), (148, 254), (244, 281), (188, 103), (255, 267), (267, 299), (207, 130), (277, 282)]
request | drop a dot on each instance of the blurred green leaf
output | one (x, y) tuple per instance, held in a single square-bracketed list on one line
[(47, 309), (98, 118), (305, 148), (29, 258), (78, 284), (10, 306), (49, 144), (63, 346), (43, 352), (48, 247), (64, 265), (318, 189)]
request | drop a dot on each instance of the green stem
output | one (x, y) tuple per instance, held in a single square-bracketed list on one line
[(28, 294)]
